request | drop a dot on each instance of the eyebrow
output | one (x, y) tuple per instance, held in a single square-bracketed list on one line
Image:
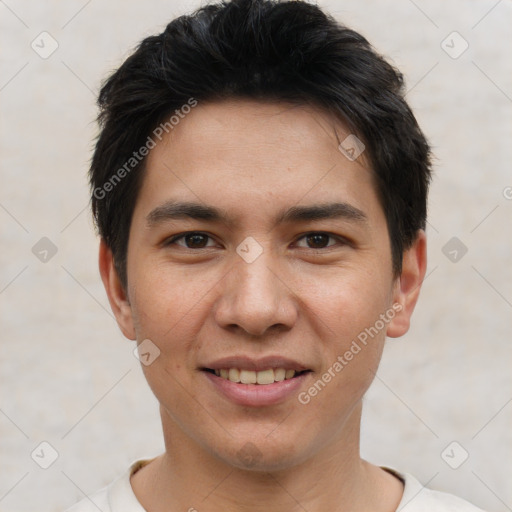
[(172, 210)]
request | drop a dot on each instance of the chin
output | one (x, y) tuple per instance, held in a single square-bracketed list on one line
[(262, 454)]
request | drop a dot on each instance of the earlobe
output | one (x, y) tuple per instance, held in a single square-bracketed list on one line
[(408, 285), (116, 293)]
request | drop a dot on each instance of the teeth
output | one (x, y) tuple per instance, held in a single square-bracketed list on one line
[(234, 375), (289, 374), (279, 374), (265, 377), (247, 377), (251, 377)]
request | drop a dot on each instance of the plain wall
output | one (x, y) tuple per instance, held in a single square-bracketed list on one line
[(68, 377)]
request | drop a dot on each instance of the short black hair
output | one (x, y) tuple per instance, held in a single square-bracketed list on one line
[(266, 50)]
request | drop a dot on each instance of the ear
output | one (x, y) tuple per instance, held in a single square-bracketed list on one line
[(115, 291), (408, 284)]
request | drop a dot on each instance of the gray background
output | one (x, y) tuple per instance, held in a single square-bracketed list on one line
[(69, 377)]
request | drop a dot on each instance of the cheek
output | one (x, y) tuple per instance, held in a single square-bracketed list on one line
[(165, 311), (170, 308), (346, 313), (345, 302), (166, 301)]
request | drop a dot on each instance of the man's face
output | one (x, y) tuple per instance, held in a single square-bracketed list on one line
[(270, 285)]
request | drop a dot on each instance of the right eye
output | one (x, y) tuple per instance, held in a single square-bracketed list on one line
[(191, 239)]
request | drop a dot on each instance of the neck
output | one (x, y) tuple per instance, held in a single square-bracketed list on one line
[(187, 477)]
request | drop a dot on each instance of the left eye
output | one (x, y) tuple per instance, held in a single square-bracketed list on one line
[(317, 240)]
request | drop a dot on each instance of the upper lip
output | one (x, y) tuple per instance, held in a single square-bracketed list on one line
[(250, 363)]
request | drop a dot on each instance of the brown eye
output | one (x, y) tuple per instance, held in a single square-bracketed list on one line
[(318, 240), (192, 240), (196, 241)]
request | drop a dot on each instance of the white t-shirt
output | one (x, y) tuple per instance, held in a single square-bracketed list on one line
[(119, 497)]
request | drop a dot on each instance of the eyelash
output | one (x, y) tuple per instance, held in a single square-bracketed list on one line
[(341, 240)]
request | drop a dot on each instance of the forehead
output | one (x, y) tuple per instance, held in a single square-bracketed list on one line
[(245, 155)]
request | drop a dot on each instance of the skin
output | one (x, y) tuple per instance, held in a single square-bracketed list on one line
[(300, 299)]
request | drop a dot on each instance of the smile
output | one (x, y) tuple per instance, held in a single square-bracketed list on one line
[(263, 377), (250, 388)]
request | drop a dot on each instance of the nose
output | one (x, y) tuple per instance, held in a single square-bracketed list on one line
[(256, 298)]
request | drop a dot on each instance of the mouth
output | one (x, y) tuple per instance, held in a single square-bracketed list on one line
[(261, 377), (249, 382), (255, 382)]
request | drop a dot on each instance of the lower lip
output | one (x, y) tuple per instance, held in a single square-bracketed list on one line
[(257, 395)]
